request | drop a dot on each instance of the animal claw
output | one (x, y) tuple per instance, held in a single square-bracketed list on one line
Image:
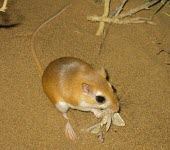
[(70, 132)]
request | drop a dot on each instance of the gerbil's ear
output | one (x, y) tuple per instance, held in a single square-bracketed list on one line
[(102, 72), (87, 89)]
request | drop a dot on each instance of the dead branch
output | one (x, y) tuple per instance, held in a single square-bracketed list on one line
[(163, 4), (120, 21), (3, 8), (121, 8), (106, 13), (119, 18), (139, 8)]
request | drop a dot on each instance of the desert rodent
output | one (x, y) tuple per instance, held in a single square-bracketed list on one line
[(72, 83)]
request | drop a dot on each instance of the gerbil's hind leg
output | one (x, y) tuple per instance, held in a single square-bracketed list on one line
[(69, 130), (63, 107)]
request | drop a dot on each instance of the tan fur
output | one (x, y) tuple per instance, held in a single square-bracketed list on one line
[(63, 78), (65, 84)]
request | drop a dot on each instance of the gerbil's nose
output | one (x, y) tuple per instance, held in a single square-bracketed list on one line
[(114, 107)]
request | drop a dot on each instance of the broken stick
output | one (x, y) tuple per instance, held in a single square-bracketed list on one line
[(119, 18), (106, 13), (3, 8)]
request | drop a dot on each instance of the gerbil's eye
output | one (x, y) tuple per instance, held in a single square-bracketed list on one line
[(100, 99)]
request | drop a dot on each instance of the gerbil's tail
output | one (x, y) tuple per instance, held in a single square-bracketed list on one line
[(35, 33)]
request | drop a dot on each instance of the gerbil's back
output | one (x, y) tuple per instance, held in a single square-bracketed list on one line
[(65, 67), (63, 77), (61, 72)]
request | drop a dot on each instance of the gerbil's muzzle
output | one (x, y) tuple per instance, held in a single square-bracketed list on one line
[(114, 107)]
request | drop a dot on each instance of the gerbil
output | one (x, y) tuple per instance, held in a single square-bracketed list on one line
[(72, 83)]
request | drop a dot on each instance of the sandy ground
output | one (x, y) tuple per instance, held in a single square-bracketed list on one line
[(28, 120)]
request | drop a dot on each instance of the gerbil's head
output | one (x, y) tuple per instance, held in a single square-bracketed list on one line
[(99, 93)]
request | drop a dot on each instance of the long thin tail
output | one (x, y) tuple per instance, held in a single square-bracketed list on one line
[(35, 33)]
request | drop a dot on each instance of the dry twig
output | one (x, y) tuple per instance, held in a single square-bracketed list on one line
[(119, 21), (120, 18), (106, 13), (3, 8), (139, 8), (120, 8)]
